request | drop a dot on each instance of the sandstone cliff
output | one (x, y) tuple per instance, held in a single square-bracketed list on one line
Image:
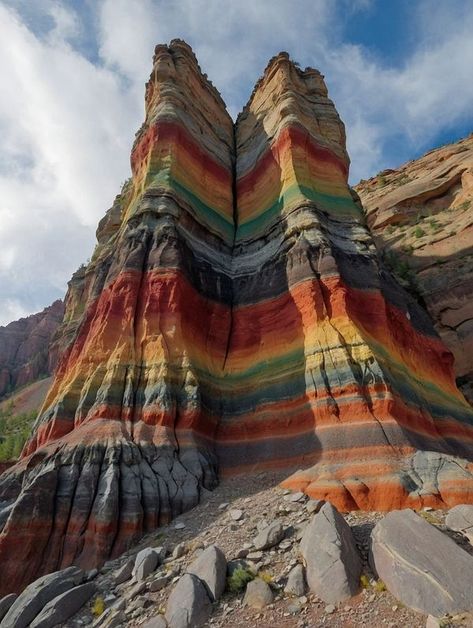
[(25, 353), (234, 315), (421, 215)]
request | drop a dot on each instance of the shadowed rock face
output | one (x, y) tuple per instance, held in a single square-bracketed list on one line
[(25, 353), (421, 216), (234, 315)]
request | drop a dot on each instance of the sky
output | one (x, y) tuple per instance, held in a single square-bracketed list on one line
[(72, 77)]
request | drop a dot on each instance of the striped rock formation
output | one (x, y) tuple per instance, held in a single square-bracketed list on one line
[(421, 217), (234, 316)]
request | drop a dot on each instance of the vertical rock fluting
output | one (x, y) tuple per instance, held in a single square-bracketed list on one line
[(234, 314), (331, 361), (124, 439)]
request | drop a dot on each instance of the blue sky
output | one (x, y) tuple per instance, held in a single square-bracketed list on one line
[(73, 75)]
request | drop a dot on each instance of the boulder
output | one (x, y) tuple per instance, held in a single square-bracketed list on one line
[(333, 565), (421, 566), (460, 519), (189, 604), (296, 583), (6, 603), (146, 562), (64, 606), (258, 594), (211, 568), (35, 597), (269, 536), (125, 572)]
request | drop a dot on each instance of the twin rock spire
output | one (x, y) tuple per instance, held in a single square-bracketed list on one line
[(234, 316)]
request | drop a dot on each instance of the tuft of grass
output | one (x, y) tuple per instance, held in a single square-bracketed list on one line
[(379, 586), (381, 180), (265, 576), (364, 581), (419, 232), (98, 606), (239, 579)]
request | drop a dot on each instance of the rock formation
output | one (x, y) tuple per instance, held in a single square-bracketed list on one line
[(25, 353), (234, 315), (421, 216)]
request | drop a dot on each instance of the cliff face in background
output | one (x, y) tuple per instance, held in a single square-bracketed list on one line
[(421, 216), (25, 353), (234, 316)]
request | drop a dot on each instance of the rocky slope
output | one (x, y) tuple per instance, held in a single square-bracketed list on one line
[(25, 353), (234, 315), (421, 215)]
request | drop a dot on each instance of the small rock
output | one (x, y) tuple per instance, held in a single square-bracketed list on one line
[(296, 584), (329, 609), (394, 608), (255, 556), (125, 572), (135, 590), (93, 573), (158, 584), (258, 594), (243, 553), (179, 550), (269, 536), (285, 545), (146, 562), (433, 622), (314, 505), (236, 514), (223, 506), (111, 618), (296, 497), (179, 526), (460, 519)]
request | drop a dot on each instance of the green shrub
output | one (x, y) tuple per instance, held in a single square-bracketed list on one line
[(419, 232), (239, 579)]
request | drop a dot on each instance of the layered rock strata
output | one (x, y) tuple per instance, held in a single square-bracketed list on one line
[(234, 315), (25, 353), (421, 217)]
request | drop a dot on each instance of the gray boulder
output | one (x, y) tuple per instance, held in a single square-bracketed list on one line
[(333, 565), (6, 603), (460, 519), (269, 536), (125, 572), (296, 584), (189, 604), (36, 595), (211, 568), (64, 606), (157, 621), (421, 566), (258, 594), (146, 562)]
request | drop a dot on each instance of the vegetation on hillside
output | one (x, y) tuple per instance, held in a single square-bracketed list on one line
[(14, 431)]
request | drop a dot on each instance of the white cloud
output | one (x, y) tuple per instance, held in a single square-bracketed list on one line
[(68, 111)]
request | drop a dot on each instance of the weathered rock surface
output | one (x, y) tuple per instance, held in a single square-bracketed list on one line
[(296, 583), (38, 594), (269, 536), (233, 315), (125, 572), (25, 354), (6, 603), (64, 606), (333, 566), (460, 519), (421, 566), (258, 594), (146, 562), (189, 604), (211, 568), (421, 216)]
